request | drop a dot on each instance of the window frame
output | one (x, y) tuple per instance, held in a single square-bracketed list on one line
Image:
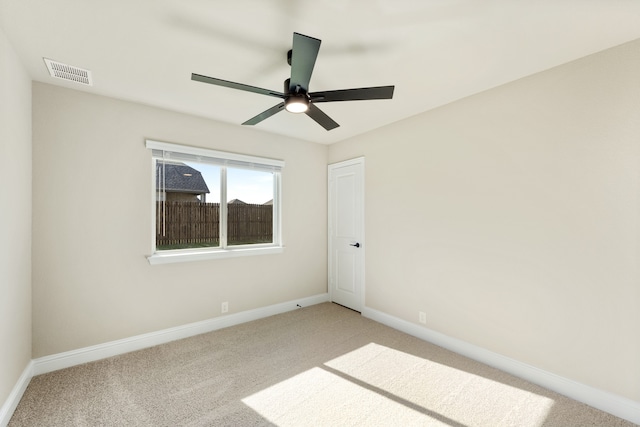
[(224, 160)]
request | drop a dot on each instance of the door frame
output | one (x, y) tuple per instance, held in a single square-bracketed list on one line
[(355, 161)]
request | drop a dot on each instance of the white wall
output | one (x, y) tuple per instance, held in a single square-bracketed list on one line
[(15, 218), (92, 224), (511, 218)]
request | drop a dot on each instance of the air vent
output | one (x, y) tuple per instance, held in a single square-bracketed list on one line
[(68, 72)]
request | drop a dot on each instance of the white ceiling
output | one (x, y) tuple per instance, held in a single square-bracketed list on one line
[(433, 51)]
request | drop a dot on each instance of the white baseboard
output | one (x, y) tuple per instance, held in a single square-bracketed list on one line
[(102, 351), (619, 406), (6, 411)]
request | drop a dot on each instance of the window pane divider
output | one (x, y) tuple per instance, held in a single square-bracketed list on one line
[(224, 211)]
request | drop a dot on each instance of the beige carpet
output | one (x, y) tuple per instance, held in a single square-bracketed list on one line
[(318, 366)]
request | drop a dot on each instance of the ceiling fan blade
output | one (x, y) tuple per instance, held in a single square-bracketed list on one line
[(232, 85), (361, 94), (321, 118), (303, 58), (265, 114)]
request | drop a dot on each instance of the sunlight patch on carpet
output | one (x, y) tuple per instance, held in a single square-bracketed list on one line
[(465, 397), (378, 385), (326, 398)]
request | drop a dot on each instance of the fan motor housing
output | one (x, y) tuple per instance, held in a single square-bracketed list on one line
[(299, 90)]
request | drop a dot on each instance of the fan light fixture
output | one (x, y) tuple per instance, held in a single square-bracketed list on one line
[(296, 104)]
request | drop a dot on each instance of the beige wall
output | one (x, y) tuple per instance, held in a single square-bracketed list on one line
[(92, 224), (511, 219), (15, 218)]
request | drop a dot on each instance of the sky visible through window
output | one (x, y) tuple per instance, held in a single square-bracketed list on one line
[(255, 187)]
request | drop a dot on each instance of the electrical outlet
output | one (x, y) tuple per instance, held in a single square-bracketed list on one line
[(422, 317), (225, 307)]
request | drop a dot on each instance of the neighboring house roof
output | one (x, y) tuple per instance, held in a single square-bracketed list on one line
[(180, 178), (238, 201), (270, 202)]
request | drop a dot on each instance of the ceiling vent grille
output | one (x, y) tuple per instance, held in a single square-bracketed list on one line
[(68, 72)]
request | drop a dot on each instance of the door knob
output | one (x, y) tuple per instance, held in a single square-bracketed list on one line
[(357, 245)]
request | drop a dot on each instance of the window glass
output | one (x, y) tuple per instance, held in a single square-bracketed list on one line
[(187, 205), (249, 206)]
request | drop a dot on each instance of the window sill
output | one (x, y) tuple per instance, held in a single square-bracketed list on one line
[(167, 257)]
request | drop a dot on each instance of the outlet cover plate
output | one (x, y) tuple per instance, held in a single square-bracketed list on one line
[(422, 317)]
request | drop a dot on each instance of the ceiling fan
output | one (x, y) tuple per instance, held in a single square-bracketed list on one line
[(296, 96)]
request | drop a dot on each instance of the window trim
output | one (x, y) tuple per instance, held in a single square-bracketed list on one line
[(187, 255), (224, 159)]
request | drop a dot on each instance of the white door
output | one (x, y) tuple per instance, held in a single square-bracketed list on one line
[(346, 233)]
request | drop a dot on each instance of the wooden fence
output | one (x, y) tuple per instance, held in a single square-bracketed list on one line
[(187, 224)]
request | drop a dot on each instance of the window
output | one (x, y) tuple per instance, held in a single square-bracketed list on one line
[(212, 204)]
